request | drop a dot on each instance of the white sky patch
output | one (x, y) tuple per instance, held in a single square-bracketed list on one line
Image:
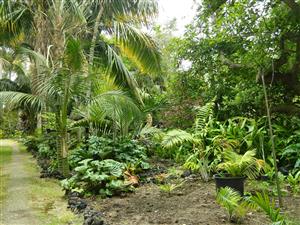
[(182, 10)]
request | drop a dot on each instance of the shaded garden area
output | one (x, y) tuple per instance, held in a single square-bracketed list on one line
[(138, 125)]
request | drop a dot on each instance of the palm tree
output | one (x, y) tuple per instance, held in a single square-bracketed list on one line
[(70, 54)]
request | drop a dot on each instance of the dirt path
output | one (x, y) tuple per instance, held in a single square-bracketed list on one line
[(17, 210), (30, 200)]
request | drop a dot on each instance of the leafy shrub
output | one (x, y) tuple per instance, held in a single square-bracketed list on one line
[(103, 177), (44, 149), (99, 166), (31, 143), (100, 148), (291, 155), (294, 182)]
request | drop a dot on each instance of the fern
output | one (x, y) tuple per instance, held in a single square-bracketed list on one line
[(203, 115), (176, 137)]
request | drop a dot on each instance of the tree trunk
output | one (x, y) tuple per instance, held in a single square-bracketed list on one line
[(93, 45)]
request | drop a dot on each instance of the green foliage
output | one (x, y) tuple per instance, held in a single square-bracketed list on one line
[(235, 205), (263, 201), (240, 165), (198, 165), (176, 137), (103, 177), (99, 165), (44, 149), (121, 150), (294, 182), (169, 188), (292, 154)]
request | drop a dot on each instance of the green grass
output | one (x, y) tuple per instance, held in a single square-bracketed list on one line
[(48, 202), (5, 157)]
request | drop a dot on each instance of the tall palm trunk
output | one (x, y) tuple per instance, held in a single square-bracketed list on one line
[(93, 44), (91, 57), (58, 50)]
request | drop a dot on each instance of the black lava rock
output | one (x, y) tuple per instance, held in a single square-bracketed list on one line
[(77, 204), (186, 173), (92, 217)]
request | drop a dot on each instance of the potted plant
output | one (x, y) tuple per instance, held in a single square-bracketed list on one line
[(235, 168)]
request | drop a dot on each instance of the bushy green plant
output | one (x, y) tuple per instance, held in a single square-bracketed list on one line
[(294, 182), (99, 165), (44, 149), (268, 206), (104, 177), (237, 165), (235, 205), (197, 165), (31, 143), (291, 154), (121, 150)]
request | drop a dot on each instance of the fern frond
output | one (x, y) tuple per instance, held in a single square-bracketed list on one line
[(176, 137), (203, 115)]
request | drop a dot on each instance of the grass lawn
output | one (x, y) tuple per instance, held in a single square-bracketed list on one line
[(47, 200), (5, 157)]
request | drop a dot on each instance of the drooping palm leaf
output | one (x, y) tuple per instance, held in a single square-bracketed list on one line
[(116, 106), (16, 99), (138, 46)]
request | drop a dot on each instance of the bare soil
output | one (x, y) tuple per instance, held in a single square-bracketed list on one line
[(192, 204)]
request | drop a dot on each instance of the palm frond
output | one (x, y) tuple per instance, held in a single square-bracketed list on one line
[(150, 131), (235, 205), (73, 56), (116, 67), (130, 11), (139, 47), (116, 106), (268, 206), (17, 99), (240, 165)]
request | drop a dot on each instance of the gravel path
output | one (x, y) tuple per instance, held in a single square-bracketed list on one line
[(16, 210)]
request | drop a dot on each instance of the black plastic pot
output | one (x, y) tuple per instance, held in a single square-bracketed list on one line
[(236, 183)]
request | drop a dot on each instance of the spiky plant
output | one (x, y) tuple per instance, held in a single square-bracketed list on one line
[(263, 201), (235, 205), (237, 165), (169, 188)]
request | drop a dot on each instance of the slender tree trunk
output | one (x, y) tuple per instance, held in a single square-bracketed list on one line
[(58, 42), (272, 141), (93, 45)]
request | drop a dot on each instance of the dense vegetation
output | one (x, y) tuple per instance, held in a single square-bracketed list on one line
[(96, 99)]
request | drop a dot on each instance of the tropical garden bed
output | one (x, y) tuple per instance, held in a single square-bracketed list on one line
[(141, 126)]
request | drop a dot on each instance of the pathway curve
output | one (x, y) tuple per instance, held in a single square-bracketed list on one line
[(16, 209)]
